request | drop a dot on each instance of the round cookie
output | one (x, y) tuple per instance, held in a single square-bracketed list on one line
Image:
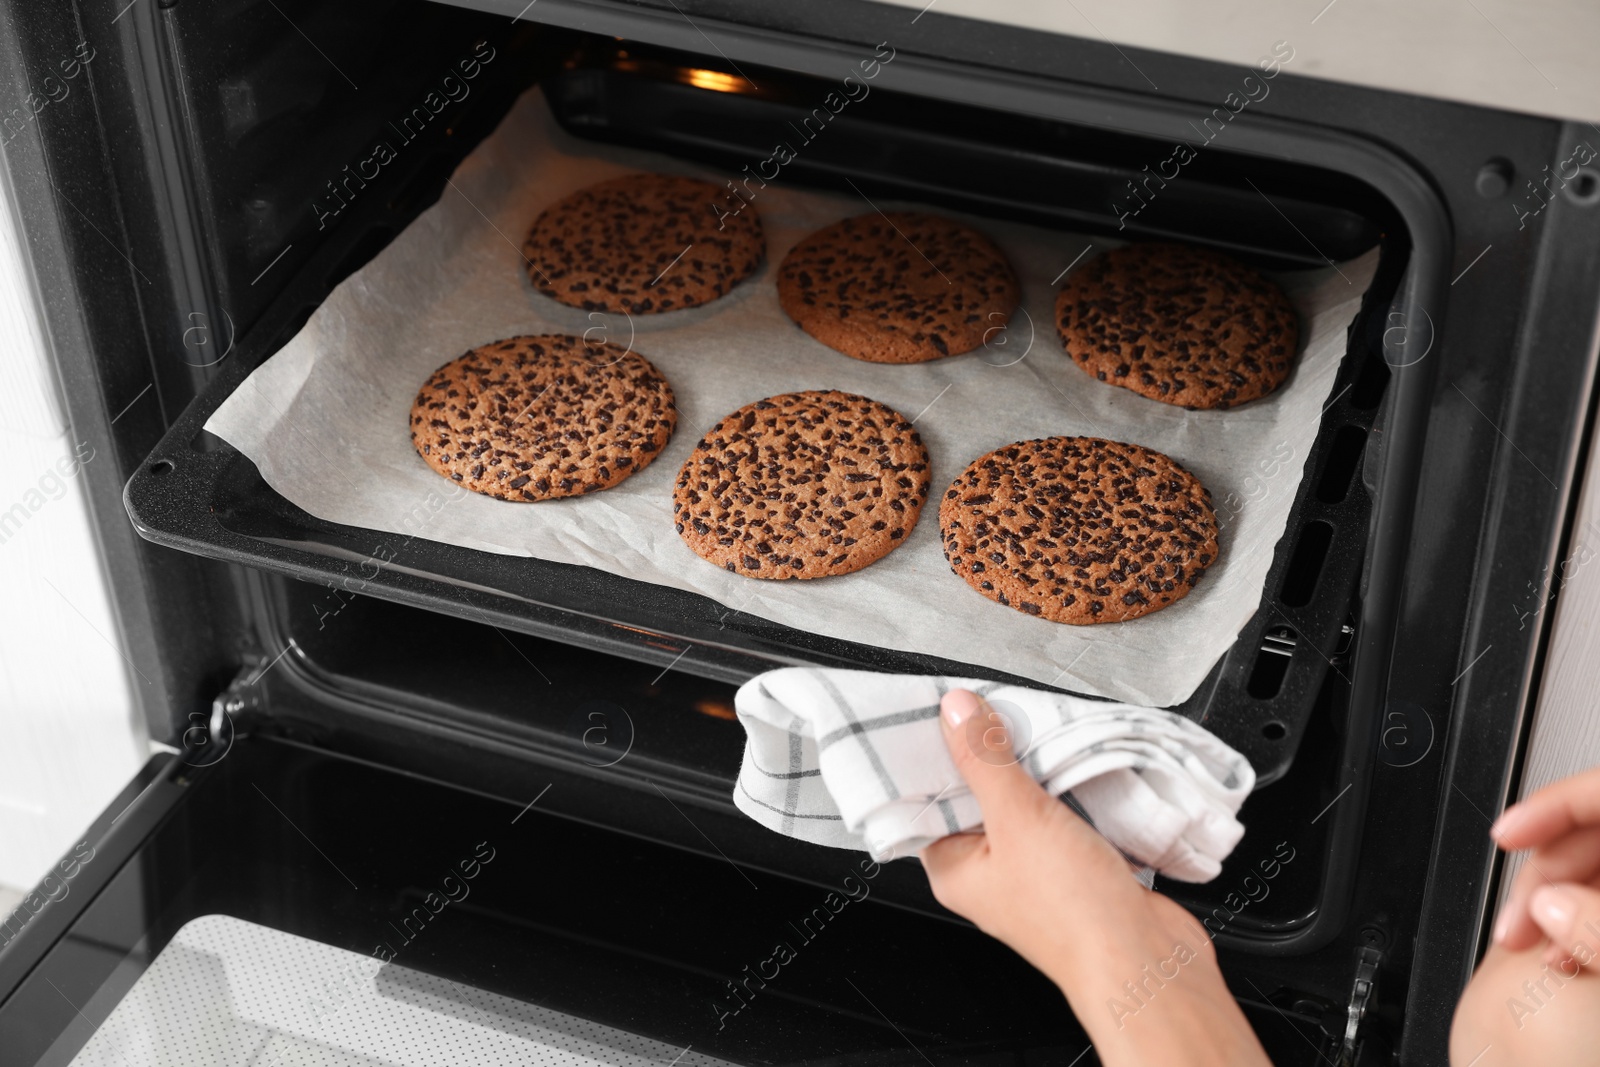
[(1078, 529), (536, 418), (642, 244), (1181, 325), (803, 485), (902, 287)]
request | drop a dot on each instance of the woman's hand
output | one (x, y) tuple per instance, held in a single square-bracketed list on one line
[(1535, 998), (1138, 970), (1561, 825)]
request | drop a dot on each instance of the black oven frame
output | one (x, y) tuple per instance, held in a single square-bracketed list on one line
[(1492, 436)]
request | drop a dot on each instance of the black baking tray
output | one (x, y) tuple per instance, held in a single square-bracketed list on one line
[(197, 494)]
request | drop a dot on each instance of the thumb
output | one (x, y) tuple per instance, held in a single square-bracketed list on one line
[(980, 746), (1569, 915)]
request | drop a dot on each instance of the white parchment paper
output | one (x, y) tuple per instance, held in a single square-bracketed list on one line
[(325, 420)]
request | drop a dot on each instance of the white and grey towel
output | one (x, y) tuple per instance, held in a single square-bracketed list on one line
[(857, 760)]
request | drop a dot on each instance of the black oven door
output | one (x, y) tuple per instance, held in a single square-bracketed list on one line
[(256, 900), (284, 901), (284, 905)]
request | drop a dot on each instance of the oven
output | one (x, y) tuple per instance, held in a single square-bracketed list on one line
[(413, 797)]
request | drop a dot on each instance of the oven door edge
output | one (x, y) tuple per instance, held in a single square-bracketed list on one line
[(117, 833)]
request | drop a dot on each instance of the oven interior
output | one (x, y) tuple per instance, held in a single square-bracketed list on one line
[(197, 494), (268, 128), (1278, 693)]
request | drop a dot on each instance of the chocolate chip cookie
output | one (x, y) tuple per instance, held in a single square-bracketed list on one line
[(643, 244), (1079, 529), (901, 287), (1182, 325), (536, 418), (803, 485)]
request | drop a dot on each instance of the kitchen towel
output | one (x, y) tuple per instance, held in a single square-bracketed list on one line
[(855, 759)]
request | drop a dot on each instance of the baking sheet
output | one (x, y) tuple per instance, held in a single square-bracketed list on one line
[(326, 420)]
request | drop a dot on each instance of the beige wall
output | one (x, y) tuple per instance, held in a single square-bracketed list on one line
[(1540, 57)]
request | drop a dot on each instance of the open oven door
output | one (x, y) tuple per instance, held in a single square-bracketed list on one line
[(256, 900), (283, 905)]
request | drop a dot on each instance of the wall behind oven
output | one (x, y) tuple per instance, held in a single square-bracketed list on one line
[(68, 735), (1532, 57)]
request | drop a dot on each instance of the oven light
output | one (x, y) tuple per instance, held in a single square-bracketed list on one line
[(714, 80), (716, 708)]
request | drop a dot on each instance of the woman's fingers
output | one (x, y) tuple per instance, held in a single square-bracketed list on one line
[(1016, 809), (980, 745), (1569, 915), (1019, 817), (1573, 858), (1557, 809)]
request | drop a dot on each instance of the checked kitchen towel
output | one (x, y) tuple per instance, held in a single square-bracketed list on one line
[(857, 760)]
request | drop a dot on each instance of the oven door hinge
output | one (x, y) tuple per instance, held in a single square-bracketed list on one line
[(207, 738), (1361, 994)]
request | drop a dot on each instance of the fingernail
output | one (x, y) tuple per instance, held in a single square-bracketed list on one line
[(1502, 925), (958, 706), (1555, 911), (1507, 821)]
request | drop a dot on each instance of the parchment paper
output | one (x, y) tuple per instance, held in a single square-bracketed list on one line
[(325, 420)]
